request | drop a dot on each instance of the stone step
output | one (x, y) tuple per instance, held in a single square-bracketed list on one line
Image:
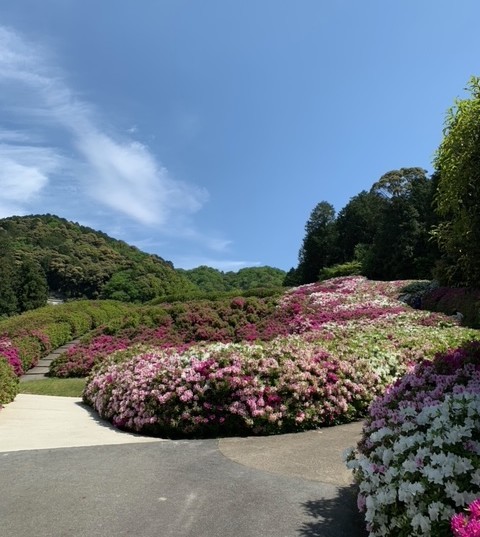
[(38, 369), (43, 366), (32, 376), (44, 362)]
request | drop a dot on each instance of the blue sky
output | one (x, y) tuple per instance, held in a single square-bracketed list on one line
[(206, 131)]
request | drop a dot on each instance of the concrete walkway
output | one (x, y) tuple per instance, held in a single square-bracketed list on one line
[(47, 422), (66, 472)]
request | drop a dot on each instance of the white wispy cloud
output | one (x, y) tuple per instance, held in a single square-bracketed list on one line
[(117, 171)]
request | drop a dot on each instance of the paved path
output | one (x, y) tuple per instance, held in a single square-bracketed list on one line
[(42, 368), (125, 485)]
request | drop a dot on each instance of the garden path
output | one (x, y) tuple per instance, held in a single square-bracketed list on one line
[(41, 369)]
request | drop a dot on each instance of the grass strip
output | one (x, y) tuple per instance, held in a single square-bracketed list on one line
[(72, 387)]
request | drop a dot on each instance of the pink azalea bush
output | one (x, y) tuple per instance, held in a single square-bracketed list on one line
[(286, 385), (11, 355), (419, 459), (79, 359), (347, 322)]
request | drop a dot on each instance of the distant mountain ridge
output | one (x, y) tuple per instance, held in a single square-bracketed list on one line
[(78, 261)]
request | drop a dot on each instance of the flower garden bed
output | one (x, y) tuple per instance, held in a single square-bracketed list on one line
[(319, 357)]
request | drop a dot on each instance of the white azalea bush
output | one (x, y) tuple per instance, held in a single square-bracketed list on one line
[(419, 460)]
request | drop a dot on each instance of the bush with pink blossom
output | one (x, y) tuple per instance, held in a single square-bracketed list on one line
[(467, 524), (311, 310), (230, 389), (11, 355)]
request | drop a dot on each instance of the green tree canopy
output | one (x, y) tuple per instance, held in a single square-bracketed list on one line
[(401, 248), (320, 245), (458, 195), (357, 222)]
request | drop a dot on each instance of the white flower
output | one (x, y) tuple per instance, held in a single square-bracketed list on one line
[(408, 426), (407, 411), (406, 491), (475, 480), (422, 522), (390, 474), (462, 465), (434, 475), (451, 489), (386, 495), (434, 509), (409, 465), (387, 456), (380, 434), (348, 454)]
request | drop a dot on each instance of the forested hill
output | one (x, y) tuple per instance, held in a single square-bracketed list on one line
[(209, 279), (45, 253)]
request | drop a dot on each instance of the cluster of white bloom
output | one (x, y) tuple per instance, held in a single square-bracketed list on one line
[(422, 469)]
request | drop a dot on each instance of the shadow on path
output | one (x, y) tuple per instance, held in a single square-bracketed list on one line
[(336, 517)]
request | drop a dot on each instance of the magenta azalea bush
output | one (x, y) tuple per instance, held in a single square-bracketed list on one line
[(223, 389), (80, 359), (11, 355), (467, 524), (419, 459)]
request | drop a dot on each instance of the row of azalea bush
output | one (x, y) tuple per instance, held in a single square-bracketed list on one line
[(418, 463), (303, 310), (26, 338)]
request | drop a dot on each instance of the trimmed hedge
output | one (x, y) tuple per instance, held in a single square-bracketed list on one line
[(8, 382), (34, 334)]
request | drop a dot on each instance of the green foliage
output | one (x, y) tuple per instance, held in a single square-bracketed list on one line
[(32, 288), (451, 300), (344, 269), (8, 382), (292, 278), (419, 287), (387, 230), (458, 196), (357, 223), (207, 279), (255, 277), (8, 297), (30, 349), (262, 292), (401, 247), (35, 333)]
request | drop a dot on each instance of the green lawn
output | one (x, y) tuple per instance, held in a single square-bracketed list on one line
[(63, 387)]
